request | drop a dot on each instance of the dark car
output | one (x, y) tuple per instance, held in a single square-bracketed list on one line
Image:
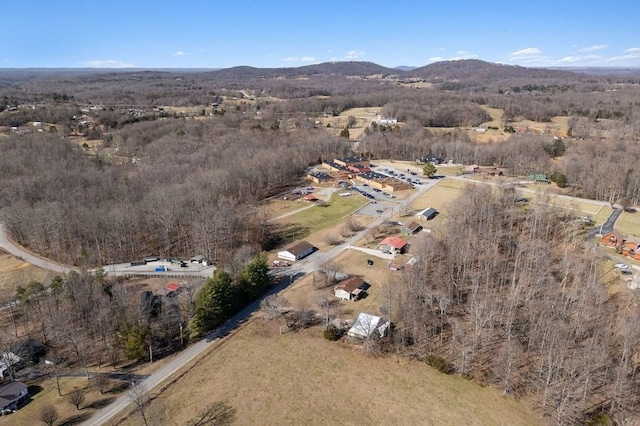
[(626, 272)]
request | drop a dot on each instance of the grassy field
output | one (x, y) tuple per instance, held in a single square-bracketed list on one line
[(320, 217), (15, 272), (628, 223), (300, 378)]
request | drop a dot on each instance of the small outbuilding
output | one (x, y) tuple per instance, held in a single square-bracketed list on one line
[(410, 229), (366, 325), (296, 251), (427, 214)]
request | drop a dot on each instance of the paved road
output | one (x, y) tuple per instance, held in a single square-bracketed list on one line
[(298, 270), (27, 256), (165, 372)]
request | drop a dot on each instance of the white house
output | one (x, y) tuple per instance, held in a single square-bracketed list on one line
[(296, 251), (349, 289)]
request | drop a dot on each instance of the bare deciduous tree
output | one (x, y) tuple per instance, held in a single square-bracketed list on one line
[(48, 415), (138, 396), (219, 413), (76, 398)]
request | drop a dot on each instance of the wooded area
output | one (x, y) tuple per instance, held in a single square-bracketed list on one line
[(126, 164)]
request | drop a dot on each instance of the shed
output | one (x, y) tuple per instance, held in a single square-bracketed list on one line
[(296, 251), (172, 287), (364, 326), (427, 214), (410, 229)]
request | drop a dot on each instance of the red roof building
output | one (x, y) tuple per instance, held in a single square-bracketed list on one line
[(393, 244)]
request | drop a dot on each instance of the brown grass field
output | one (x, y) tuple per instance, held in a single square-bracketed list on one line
[(15, 272), (558, 126), (300, 378)]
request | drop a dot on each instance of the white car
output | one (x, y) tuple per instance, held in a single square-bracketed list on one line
[(621, 266)]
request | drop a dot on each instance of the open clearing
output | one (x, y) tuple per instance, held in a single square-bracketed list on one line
[(324, 216), (558, 126), (300, 378), (15, 272)]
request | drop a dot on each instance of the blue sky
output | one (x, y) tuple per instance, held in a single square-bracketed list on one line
[(287, 33)]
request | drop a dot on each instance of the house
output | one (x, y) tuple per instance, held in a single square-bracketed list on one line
[(12, 394), (311, 198), (631, 247), (351, 288), (366, 325), (410, 229), (392, 245), (613, 239), (296, 251), (427, 214)]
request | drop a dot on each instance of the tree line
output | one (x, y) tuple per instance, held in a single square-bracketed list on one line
[(514, 298)]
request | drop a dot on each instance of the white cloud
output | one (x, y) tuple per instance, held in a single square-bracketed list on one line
[(461, 54), (529, 51), (580, 58), (180, 53), (354, 54), (108, 63), (633, 50), (300, 59), (593, 48), (351, 55)]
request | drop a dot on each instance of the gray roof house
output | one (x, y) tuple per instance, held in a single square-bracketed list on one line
[(12, 394)]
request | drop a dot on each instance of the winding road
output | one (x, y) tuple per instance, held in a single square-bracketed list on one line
[(298, 270)]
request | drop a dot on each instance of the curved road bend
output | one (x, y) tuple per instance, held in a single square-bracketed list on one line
[(296, 271), (27, 256)]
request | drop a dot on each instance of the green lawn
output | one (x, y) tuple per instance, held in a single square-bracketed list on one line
[(325, 216)]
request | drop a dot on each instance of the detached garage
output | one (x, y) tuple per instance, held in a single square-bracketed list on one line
[(296, 251)]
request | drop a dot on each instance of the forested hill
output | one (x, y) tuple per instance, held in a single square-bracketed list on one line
[(353, 68), (476, 70)]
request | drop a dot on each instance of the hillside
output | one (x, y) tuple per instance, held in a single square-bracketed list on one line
[(352, 68), (476, 70), (310, 380)]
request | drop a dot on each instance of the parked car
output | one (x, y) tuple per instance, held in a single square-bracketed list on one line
[(626, 272), (621, 266)]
